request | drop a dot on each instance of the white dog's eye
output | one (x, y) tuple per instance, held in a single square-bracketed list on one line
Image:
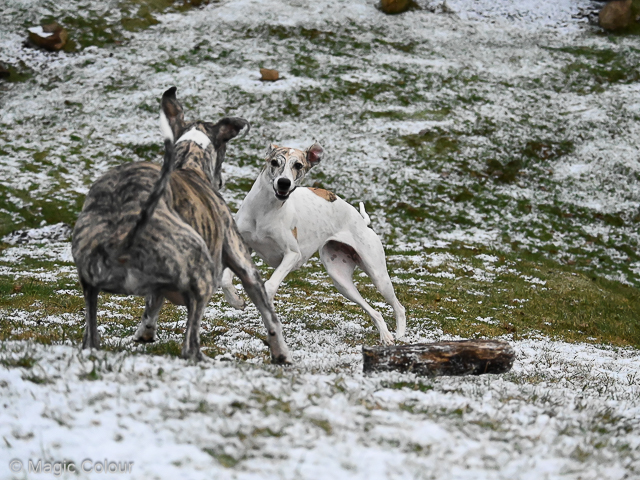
[(297, 166), (274, 163)]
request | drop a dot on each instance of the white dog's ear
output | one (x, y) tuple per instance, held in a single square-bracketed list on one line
[(314, 154), (270, 149)]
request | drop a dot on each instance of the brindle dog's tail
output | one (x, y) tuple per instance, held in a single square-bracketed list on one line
[(154, 198)]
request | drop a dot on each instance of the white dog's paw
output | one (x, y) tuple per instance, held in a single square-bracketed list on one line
[(233, 299), (386, 338), (271, 290), (145, 333)]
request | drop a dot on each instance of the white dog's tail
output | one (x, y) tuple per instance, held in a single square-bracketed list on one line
[(365, 215)]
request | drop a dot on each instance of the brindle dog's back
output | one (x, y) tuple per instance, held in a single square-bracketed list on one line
[(112, 207)]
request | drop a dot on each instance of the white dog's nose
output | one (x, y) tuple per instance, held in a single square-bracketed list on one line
[(284, 184)]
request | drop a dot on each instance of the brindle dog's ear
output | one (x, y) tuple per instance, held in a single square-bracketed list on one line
[(173, 112), (226, 129), (314, 154)]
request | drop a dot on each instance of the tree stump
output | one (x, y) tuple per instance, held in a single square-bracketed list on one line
[(51, 37), (463, 357)]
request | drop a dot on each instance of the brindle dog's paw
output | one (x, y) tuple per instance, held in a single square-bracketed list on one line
[(89, 342), (281, 360), (196, 356)]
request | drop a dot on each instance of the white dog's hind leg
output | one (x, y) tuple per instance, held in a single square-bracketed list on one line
[(375, 266), (340, 263), (230, 292), (380, 278), (148, 327)]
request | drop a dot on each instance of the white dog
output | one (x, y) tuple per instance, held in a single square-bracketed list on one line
[(286, 225)]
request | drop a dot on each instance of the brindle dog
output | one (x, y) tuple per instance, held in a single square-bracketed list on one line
[(167, 233)]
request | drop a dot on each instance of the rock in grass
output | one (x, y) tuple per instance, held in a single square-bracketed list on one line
[(616, 15), (52, 37), (465, 357), (395, 6), (269, 75)]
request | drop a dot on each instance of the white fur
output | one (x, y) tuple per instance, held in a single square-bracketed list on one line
[(197, 136), (167, 133), (286, 234), (365, 215)]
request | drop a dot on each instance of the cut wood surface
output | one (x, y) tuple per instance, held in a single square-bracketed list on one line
[(463, 357)]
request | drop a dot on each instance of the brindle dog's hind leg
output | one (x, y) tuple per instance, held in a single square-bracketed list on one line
[(195, 308), (91, 338), (148, 326), (236, 256)]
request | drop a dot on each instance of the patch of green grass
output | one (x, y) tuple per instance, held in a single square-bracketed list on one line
[(224, 459), (33, 210), (26, 360), (547, 149), (527, 296), (344, 43), (504, 173), (594, 69), (170, 348), (91, 28), (305, 66), (152, 152), (240, 184), (37, 379), (323, 424), (266, 432), (16, 73), (417, 385), (90, 376), (435, 114)]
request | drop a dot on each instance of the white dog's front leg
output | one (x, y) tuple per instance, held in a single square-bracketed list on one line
[(289, 262), (230, 292)]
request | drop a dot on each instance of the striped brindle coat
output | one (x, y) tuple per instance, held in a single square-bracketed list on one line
[(286, 224), (168, 233)]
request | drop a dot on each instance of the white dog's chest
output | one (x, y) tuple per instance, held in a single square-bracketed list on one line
[(268, 249), (262, 239)]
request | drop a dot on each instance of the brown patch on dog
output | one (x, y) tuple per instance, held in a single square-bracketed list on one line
[(326, 194), (295, 233)]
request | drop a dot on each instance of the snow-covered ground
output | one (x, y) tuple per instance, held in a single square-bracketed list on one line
[(564, 411), (492, 80)]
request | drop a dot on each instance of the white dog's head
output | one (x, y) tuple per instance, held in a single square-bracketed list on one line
[(286, 167)]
